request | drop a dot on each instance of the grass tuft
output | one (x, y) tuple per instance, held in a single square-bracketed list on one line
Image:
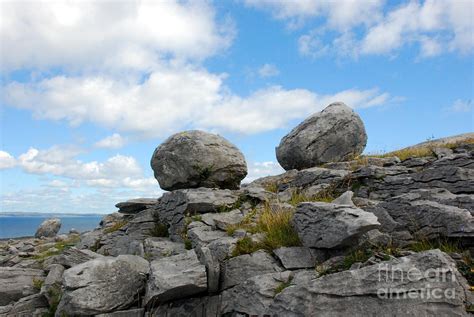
[(283, 285), (116, 226)]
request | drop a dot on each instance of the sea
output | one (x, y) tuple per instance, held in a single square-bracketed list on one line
[(16, 226)]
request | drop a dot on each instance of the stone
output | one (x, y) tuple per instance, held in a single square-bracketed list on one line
[(224, 219), (175, 277), (299, 257), (157, 248), (345, 199), (205, 306), (173, 207), (254, 296), (213, 268), (136, 312), (103, 285), (238, 269), (48, 228), (134, 206), (204, 235), (73, 256), (16, 283), (194, 159), (30, 306), (327, 225), (335, 134), (390, 287), (51, 287)]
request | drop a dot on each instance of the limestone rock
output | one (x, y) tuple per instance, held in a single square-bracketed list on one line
[(299, 257), (335, 134), (48, 228), (323, 225), (103, 285), (194, 159), (16, 283), (134, 206)]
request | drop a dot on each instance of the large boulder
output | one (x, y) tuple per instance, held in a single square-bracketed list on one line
[(335, 134), (194, 159), (103, 285), (327, 225), (48, 228), (16, 283)]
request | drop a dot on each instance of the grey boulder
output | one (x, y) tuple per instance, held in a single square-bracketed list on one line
[(103, 285), (194, 159), (327, 225), (16, 283), (335, 134), (48, 228)]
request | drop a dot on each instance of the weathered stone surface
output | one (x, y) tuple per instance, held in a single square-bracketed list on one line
[(72, 257), (31, 306), (134, 206), (389, 288), (48, 228), (52, 283), (194, 159), (137, 312), (335, 134), (299, 257), (255, 295), (175, 277), (224, 219), (425, 218), (207, 306), (204, 235), (213, 268), (238, 269), (345, 199), (323, 225), (103, 285), (173, 207), (16, 283), (157, 248)]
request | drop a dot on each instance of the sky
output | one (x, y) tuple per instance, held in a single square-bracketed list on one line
[(90, 88)]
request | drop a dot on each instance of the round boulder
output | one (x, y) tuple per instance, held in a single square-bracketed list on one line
[(194, 159), (333, 135), (48, 228)]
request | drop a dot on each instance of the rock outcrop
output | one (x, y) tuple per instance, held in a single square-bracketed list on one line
[(48, 228), (335, 134), (194, 159)]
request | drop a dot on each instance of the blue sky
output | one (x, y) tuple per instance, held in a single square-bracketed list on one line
[(89, 89)]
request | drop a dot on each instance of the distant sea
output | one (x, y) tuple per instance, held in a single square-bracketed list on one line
[(15, 226)]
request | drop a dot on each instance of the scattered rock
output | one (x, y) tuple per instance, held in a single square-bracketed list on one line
[(48, 228), (16, 283), (194, 159), (323, 225), (103, 285), (33, 305), (335, 134)]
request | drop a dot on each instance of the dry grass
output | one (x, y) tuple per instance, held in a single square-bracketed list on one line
[(116, 226)]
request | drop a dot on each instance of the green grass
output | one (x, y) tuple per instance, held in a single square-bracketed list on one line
[(283, 285), (37, 284), (325, 195), (159, 230), (116, 226), (271, 187), (59, 246), (276, 227), (188, 244), (445, 245)]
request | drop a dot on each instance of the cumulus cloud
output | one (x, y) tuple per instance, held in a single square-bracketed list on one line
[(262, 169), (85, 34), (6, 160), (268, 70), (436, 26), (173, 99), (114, 141), (461, 106)]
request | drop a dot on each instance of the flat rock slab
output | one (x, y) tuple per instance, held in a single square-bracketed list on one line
[(103, 285), (16, 283), (299, 257), (238, 269), (326, 225), (175, 277), (157, 248), (399, 287), (134, 206)]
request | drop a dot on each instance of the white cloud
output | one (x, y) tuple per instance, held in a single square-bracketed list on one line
[(6, 160), (85, 34), (268, 70), (436, 26), (114, 141), (262, 169), (173, 99), (461, 106)]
